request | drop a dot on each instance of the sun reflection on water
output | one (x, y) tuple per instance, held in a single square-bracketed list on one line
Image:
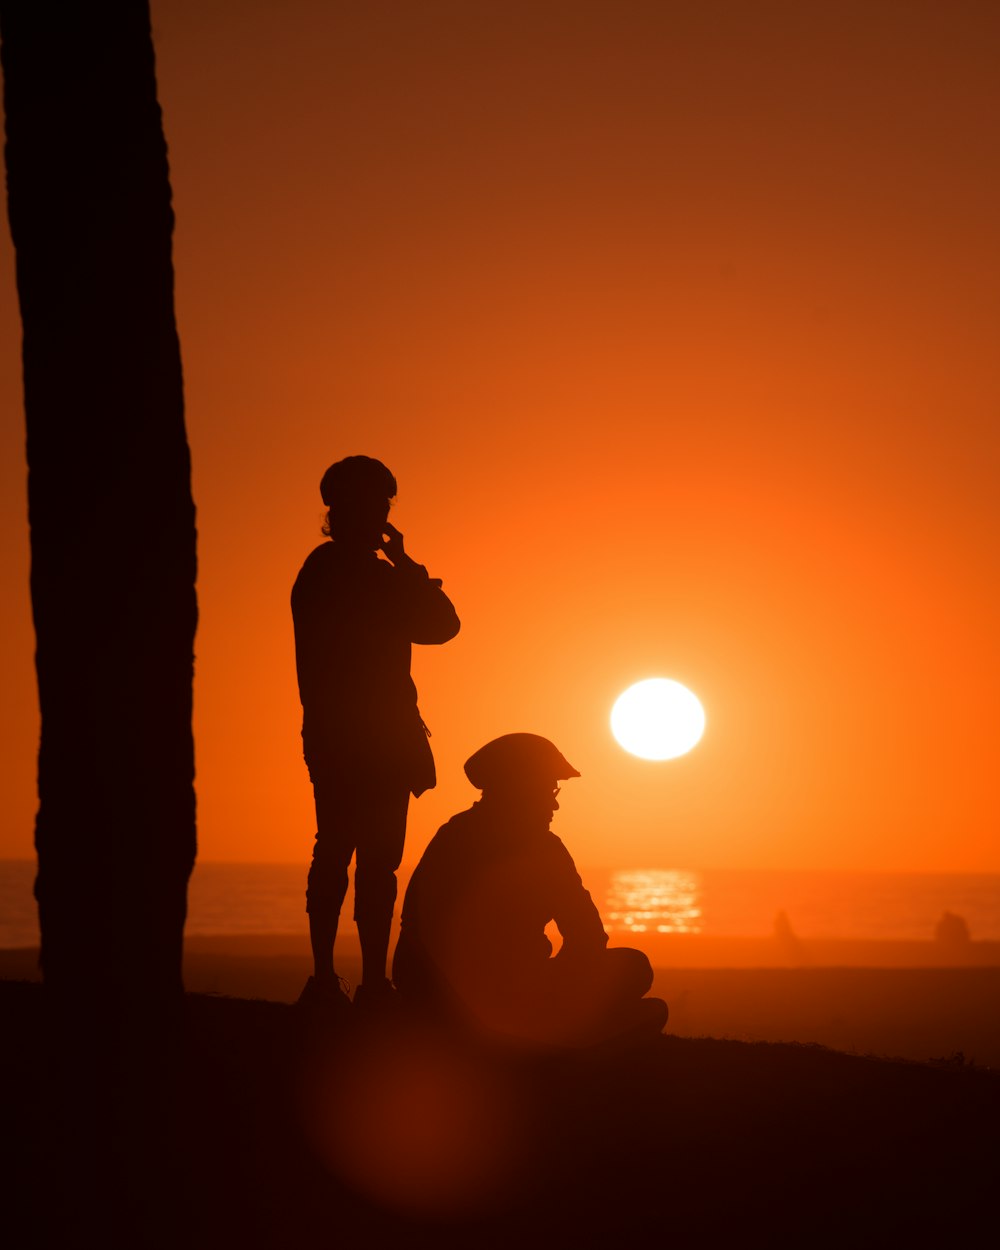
[(660, 901)]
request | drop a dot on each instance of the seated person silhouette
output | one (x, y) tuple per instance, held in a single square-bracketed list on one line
[(473, 950), (358, 604)]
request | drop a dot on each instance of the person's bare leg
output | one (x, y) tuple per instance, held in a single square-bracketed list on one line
[(323, 936), (375, 884), (324, 989), (373, 932), (375, 902), (326, 887)]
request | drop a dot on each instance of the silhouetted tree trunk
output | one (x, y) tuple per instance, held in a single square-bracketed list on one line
[(109, 496)]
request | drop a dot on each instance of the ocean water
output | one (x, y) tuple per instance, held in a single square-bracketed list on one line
[(269, 898)]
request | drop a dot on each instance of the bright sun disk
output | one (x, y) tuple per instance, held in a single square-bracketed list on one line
[(657, 719)]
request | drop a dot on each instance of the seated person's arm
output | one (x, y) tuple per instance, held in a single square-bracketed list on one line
[(574, 911)]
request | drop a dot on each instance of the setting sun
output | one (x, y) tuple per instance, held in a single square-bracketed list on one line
[(657, 719)]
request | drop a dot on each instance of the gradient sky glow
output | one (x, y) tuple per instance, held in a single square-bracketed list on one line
[(677, 323)]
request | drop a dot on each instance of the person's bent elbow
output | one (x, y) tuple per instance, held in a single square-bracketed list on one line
[(442, 628)]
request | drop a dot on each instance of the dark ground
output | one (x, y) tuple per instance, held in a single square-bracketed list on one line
[(240, 1124), (917, 1009)]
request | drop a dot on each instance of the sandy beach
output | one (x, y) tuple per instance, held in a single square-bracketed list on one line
[(250, 1124), (909, 1000), (783, 1108)]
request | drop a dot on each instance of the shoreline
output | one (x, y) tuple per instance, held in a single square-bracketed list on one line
[(902, 1000), (665, 951)]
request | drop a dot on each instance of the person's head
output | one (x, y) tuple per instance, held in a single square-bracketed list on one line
[(520, 772), (357, 491)]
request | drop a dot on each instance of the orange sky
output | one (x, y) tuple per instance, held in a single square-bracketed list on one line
[(677, 323)]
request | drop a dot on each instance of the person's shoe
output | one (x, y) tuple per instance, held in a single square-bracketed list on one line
[(375, 997), (328, 996)]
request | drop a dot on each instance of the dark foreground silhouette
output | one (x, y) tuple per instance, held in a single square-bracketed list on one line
[(257, 1126), (112, 591)]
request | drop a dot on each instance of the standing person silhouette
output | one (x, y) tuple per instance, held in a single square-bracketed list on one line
[(358, 604)]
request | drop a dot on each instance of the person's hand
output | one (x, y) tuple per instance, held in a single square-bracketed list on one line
[(392, 543)]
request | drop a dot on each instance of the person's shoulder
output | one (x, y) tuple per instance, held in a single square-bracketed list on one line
[(316, 559), (459, 824), (556, 850), (447, 844), (461, 829), (312, 568)]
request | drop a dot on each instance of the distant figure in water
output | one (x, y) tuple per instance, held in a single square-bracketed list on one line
[(358, 604), (952, 930), (473, 948), (787, 938)]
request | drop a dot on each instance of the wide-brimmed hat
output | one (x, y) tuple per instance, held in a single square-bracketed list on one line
[(515, 758)]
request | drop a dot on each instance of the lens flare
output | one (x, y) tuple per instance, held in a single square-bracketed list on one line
[(416, 1125)]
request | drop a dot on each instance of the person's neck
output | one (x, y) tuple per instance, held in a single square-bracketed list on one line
[(513, 813), (352, 546)]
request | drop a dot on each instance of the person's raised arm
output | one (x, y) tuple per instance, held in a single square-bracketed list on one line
[(430, 614)]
